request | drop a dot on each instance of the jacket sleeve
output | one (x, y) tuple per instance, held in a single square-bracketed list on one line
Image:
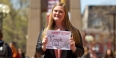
[(39, 45), (79, 47)]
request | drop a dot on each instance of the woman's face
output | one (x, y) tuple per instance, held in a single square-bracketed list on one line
[(11, 45), (58, 13), (108, 52)]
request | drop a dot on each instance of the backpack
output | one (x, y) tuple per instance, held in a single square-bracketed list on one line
[(3, 50)]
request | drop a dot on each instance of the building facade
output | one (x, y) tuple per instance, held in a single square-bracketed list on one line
[(99, 29)]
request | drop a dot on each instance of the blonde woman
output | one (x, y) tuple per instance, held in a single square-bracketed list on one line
[(59, 20)]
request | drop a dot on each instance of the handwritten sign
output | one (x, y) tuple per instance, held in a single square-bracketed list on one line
[(58, 39)]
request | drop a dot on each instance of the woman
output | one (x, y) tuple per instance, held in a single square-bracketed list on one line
[(21, 53), (109, 54), (15, 53), (59, 20)]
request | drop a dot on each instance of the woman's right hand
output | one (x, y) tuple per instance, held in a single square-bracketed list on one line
[(44, 42)]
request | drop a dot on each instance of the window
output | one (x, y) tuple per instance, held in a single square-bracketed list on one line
[(97, 23)]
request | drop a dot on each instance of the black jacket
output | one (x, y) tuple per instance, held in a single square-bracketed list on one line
[(9, 51), (49, 53)]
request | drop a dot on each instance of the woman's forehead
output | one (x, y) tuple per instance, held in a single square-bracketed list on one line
[(59, 7)]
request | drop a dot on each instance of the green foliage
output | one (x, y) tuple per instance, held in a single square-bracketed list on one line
[(14, 25)]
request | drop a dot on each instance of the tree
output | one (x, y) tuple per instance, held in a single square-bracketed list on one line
[(15, 24)]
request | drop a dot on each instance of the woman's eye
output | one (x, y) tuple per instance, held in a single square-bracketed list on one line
[(61, 12), (55, 10)]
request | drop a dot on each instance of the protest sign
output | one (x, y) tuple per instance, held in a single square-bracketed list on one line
[(58, 39)]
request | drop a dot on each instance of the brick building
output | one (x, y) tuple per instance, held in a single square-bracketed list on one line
[(99, 28)]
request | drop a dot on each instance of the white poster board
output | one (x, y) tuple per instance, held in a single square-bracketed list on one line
[(58, 39)]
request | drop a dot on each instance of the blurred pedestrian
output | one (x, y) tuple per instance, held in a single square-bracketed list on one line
[(109, 54), (5, 50), (21, 53), (115, 54), (86, 52), (36, 55), (14, 49), (59, 20)]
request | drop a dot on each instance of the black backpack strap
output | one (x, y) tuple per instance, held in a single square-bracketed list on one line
[(4, 51), (5, 48), (8, 51)]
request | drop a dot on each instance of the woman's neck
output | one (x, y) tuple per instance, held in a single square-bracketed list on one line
[(59, 27)]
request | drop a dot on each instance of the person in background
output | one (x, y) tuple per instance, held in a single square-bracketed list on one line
[(15, 53), (59, 20), (36, 55), (5, 50), (109, 54), (22, 55), (86, 53), (115, 54)]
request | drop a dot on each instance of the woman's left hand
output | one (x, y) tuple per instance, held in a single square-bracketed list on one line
[(72, 45)]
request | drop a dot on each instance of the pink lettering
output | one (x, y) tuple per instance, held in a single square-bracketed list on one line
[(64, 33), (55, 32)]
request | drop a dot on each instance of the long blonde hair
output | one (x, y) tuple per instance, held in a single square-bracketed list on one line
[(66, 23)]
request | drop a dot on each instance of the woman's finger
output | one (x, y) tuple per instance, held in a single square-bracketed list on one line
[(44, 41)]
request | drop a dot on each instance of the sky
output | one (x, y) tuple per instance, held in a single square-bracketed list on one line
[(84, 3)]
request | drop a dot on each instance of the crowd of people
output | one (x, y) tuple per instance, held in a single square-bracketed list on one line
[(107, 54), (16, 53)]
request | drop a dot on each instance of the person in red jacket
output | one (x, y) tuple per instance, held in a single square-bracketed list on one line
[(15, 53)]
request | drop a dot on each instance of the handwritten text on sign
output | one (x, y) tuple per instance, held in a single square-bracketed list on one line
[(58, 39)]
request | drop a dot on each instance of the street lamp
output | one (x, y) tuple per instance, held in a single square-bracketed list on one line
[(4, 10), (89, 38)]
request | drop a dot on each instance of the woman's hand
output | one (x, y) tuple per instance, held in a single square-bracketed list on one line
[(72, 45), (44, 42)]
